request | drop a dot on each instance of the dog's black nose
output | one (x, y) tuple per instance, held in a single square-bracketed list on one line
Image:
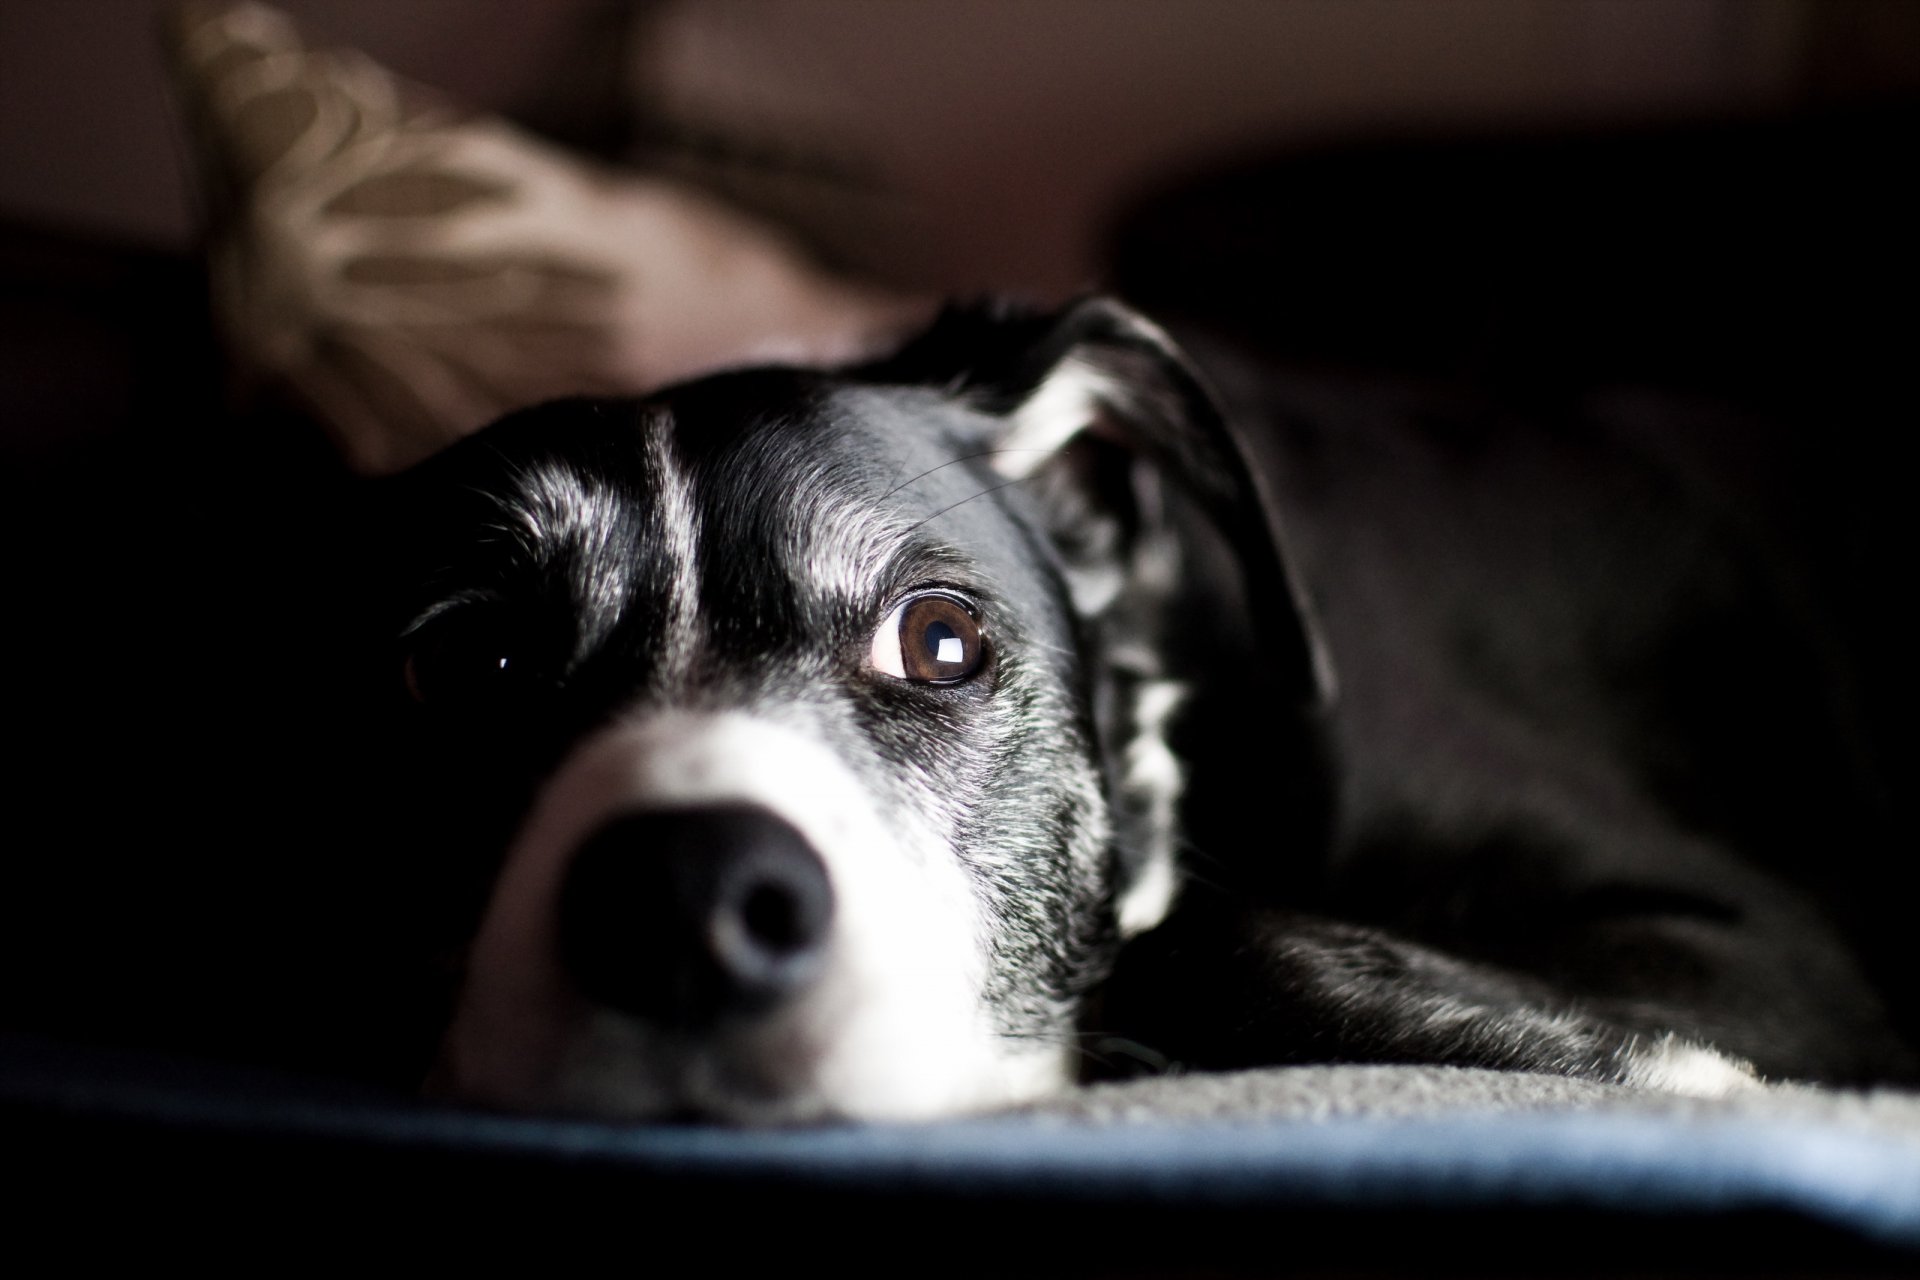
[(684, 916)]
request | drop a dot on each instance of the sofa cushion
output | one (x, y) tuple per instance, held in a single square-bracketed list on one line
[(410, 270)]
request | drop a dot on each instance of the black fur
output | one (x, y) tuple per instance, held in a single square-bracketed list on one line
[(1600, 756)]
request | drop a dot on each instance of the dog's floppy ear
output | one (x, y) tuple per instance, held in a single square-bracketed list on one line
[(1170, 555)]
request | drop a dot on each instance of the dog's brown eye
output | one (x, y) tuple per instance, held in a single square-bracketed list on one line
[(929, 639)]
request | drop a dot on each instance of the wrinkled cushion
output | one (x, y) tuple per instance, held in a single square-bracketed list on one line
[(410, 270)]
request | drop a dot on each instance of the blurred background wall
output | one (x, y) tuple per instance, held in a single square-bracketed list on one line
[(949, 142)]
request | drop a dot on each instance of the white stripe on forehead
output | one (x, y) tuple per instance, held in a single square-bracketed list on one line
[(553, 508), (676, 522)]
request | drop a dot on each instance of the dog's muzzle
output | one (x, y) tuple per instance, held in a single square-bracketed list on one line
[(685, 917), (711, 914)]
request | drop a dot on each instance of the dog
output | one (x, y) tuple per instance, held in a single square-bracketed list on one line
[(923, 737)]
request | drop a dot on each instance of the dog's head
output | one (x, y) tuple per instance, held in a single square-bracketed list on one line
[(802, 737)]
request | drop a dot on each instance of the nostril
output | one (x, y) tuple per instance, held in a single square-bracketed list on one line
[(684, 916), (770, 921), (772, 918)]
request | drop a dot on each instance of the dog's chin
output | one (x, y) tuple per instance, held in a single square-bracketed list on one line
[(782, 1072), (888, 1023)]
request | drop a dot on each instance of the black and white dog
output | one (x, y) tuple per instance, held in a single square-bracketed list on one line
[(900, 741)]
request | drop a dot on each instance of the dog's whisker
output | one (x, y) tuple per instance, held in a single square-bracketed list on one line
[(954, 462), (995, 488), (1104, 1049)]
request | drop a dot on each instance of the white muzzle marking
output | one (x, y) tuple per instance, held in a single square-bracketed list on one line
[(894, 1028)]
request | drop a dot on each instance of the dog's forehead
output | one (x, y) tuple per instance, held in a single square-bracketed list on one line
[(763, 493), (911, 451), (846, 491), (776, 438)]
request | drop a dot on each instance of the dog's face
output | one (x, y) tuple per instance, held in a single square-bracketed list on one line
[(800, 736)]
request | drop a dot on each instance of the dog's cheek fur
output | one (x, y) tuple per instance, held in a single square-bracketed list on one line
[(1025, 815), (1004, 772)]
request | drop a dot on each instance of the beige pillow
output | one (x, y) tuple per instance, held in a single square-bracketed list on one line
[(410, 271)]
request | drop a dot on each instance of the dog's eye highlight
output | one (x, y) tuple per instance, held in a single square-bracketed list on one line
[(930, 639)]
